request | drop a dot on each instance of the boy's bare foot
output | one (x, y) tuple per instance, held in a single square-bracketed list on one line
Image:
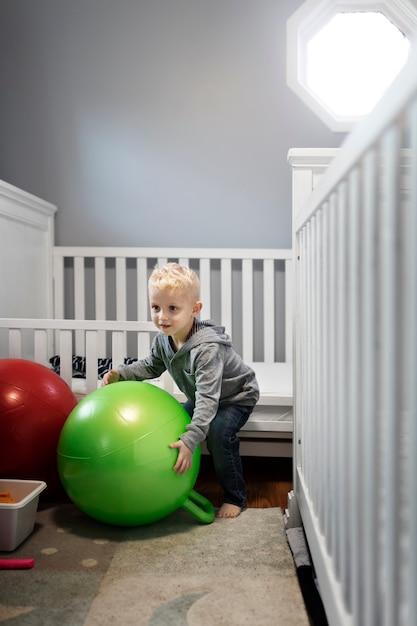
[(228, 510)]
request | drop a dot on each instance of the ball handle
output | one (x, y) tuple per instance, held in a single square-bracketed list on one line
[(201, 508)]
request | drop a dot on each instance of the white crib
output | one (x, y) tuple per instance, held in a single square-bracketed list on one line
[(355, 431), (97, 308)]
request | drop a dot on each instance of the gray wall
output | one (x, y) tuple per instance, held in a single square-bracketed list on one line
[(154, 122)]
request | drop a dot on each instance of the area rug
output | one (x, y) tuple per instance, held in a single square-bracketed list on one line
[(174, 572)]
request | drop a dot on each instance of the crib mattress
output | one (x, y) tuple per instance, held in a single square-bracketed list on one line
[(270, 419), (275, 383), (266, 418)]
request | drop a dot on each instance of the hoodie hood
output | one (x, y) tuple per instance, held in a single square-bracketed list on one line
[(206, 331)]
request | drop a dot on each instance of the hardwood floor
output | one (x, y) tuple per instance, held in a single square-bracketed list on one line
[(268, 481)]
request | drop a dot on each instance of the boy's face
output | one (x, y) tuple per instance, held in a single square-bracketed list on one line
[(173, 311)]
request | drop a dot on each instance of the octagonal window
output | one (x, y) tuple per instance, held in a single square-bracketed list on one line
[(340, 61), (353, 59)]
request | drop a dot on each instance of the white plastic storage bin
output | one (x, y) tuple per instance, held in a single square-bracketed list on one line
[(17, 519)]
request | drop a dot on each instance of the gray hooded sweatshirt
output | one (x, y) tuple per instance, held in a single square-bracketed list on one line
[(206, 369)]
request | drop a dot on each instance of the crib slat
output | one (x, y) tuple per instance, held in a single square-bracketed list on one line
[(247, 310), (389, 383), (226, 295), (79, 288), (58, 290), (142, 289), (100, 288), (323, 323), (205, 281), (100, 299), (314, 290), (309, 320), (91, 356), (269, 311), (118, 347), (369, 316), (162, 260), (66, 352), (352, 590), (289, 307), (121, 289), (41, 347), (301, 351), (143, 343), (58, 265), (15, 343), (79, 301), (341, 513), (410, 365), (342, 441), (332, 451)]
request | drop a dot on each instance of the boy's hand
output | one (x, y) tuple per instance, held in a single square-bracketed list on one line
[(185, 457), (112, 376)]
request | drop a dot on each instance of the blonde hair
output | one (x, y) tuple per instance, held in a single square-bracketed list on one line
[(175, 276)]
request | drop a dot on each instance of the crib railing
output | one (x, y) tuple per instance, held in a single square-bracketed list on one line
[(355, 368), (39, 339), (249, 291)]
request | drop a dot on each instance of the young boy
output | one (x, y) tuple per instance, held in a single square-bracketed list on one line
[(221, 390)]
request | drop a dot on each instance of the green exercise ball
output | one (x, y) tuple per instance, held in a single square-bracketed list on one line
[(114, 459)]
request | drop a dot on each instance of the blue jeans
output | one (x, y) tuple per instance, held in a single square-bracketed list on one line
[(223, 445)]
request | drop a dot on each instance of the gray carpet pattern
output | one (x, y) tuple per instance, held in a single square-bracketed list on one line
[(174, 572)]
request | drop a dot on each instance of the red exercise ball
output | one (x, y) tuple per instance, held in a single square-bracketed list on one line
[(34, 405)]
